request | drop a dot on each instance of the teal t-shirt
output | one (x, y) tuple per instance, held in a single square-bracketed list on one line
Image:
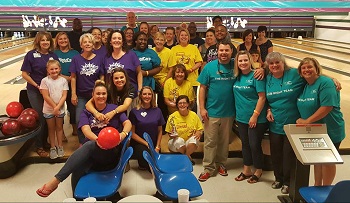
[(149, 59), (282, 94), (246, 89), (219, 80), (65, 58), (323, 93)]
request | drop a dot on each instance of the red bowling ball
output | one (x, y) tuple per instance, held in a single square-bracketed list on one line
[(32, 112), (14, 109), (10, 127), (27, 121), (108, 138)]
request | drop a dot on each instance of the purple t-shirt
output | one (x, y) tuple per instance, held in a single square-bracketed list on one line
[(35, 64), (87, 118), (129, 62), (102, 51), (87, 72), (147, 120)]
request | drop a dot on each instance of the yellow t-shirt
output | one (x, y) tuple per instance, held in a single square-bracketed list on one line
[(185, 126), (164, 56), (188, 56), (173, 91)]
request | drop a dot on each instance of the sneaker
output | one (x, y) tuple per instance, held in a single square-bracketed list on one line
[(276, 185), (60, 152), (53, 153), (204, 176), (222, 171), (285, 189)]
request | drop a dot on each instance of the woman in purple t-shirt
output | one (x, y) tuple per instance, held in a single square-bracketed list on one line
[(119, 57), (91, 155), (33, 71), (85, 69), (146, 117)]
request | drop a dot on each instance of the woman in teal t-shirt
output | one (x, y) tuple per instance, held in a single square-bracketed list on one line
[(320, 103), (250, 100), (283, 86)]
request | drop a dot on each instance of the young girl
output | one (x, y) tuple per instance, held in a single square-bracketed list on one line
[(54, 89), (255, 56)]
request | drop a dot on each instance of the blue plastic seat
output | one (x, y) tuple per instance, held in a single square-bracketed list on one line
[(169, 163), (169, 183), (105, 184), (339, 192)]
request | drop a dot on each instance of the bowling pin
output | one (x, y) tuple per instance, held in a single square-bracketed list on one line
[(1, 36), (22, 34)]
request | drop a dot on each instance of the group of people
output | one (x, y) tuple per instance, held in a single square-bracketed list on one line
[(115, 82)]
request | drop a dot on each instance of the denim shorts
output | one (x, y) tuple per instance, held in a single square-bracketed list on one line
[(48, 116)]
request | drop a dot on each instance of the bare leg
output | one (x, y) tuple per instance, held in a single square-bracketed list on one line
[(51, 131), (59, 131), (328, 173), (318, 175), (182, 149), (190, 149)]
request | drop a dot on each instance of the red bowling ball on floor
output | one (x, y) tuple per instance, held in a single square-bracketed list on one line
[(11, 127), (108, 138), (14, 109)]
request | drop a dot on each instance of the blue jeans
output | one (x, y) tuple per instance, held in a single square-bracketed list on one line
[(37, 102), (78, 110), (71, 107), (251, 143)]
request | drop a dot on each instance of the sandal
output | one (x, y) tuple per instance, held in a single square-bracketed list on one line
[(41, 152), (242, 176), (254, 179), (43, 192)]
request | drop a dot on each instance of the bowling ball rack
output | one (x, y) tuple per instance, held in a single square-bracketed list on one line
[(13, 148)]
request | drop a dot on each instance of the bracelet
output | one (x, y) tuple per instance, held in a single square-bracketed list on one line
[(268, 109), (257, 112), (157, 147), (115, 111), (95, 112), (147, 73), (126, 134)]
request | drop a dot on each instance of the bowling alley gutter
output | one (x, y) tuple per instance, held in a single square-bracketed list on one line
[(11, 60)]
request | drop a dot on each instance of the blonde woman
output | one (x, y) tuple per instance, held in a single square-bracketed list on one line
[(146, 117)]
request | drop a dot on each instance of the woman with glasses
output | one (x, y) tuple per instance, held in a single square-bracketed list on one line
[(184, 128), (129, 34)]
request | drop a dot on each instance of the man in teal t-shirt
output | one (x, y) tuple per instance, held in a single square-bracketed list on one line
[(218, 111)]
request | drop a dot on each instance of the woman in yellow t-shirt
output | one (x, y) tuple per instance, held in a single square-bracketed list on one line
[(176, 86), (184, 128)]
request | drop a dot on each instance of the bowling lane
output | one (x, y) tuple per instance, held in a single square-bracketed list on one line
[(321, 41), (15, 51), (9, 92), (326, 53), (308, 43), (297, 54)]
